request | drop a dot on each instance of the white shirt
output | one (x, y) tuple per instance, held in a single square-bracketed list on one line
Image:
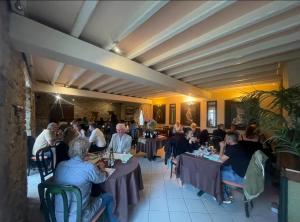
[(42, 140), (120, 144), (97, 137)]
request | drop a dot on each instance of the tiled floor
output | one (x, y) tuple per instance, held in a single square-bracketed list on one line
[(165, 200)]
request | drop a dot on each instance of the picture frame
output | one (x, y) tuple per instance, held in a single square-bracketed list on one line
[(189, 113), (211, 114), (159, 113), (172, 114), (235, 114)]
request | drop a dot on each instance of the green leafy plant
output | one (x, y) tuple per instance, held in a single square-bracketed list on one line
[(277, 112)]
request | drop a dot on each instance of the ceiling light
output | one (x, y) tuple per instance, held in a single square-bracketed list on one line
[(58, 97)]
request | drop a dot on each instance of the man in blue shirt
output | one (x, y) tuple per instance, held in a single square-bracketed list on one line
[(82, 174)]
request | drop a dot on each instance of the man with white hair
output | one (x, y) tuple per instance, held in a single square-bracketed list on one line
[(120, 142), (82, 174), (46, 138)]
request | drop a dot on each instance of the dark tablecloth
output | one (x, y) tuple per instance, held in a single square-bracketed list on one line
[(201, 173), (124, 184), (150, 145)]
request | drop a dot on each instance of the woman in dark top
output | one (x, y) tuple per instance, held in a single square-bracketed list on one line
[(204, 136), (188, 143)]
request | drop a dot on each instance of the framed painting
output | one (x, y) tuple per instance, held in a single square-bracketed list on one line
[(172, 114), (159, 113), (190, 113), (235, 114), (211, 116)]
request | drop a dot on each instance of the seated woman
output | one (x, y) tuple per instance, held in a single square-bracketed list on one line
[(250, 134), (186, 143), (82, 174), (204, 136)]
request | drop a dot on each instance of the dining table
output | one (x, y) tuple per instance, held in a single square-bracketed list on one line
[(151, 145), (123, 184), (202, 172)]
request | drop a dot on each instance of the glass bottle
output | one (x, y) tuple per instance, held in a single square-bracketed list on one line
[(111, 159)]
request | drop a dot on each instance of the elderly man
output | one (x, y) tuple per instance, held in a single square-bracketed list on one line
[(120, 142), (96, 138), (82, 174), (46, 138)]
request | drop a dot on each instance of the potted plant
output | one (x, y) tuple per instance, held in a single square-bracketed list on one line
[(277, 114)]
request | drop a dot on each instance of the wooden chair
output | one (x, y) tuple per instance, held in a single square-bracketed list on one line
[(47, 194), (45, 162), (240, 188)]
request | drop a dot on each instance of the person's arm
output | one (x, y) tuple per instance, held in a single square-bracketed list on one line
[(96, 175), (50, 137), (92, 138)]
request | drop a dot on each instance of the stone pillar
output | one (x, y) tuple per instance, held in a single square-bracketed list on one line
[(13, 201)]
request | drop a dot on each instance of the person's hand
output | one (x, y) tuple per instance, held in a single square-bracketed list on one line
[(101, 165)]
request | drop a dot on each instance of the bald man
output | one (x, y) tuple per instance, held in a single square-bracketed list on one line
[(120, 142)]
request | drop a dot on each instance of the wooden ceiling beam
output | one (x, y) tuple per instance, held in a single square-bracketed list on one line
[(29, 36), (263, 13)]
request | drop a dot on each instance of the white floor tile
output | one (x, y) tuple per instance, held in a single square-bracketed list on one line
[(200, 217), (195, 205), (158, 204), (155, 216), (179, 217), (176, 204)]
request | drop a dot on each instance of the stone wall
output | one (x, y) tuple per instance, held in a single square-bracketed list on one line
[(13, 201), (83, 107)]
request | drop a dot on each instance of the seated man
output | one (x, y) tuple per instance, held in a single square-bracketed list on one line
[(96, 138), (235, 165), (219, 134), (82, 174), (46, 138), (120, 142)]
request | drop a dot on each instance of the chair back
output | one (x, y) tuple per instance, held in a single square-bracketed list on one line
[(45, 162), (50, 194), (255, 176)]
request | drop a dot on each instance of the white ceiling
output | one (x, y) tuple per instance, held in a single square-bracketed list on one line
[(207, 44)]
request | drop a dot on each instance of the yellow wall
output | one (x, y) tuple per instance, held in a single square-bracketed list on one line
[(219, 95)]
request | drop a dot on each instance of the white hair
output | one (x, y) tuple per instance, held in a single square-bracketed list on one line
[(52, 126), (78, 147)]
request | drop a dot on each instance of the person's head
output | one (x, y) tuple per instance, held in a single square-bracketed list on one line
[(233, 127), (231, 138), (221, 126), (121, 129), (250, 132), (177, 123), (188, 133), (193, 127), (78, 147), (92, 126), (53, 127)]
